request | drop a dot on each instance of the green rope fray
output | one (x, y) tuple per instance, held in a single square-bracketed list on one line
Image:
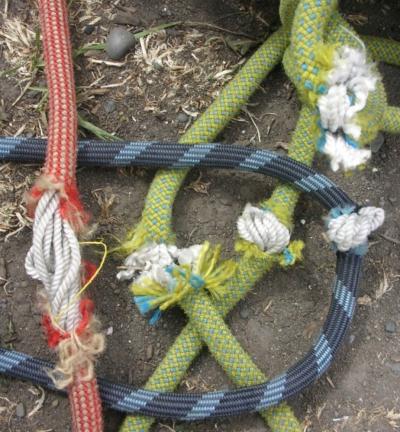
[(322, 30)]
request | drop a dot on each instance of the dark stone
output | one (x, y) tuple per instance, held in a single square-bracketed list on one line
[(89, 29)]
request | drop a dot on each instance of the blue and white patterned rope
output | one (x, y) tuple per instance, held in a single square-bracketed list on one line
[(189, 407)]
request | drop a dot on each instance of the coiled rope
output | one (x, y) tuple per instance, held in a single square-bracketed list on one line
[(311, 30), (188, 407), (308, 26)]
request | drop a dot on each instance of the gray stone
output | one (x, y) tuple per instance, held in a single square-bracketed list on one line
[(119, 42), (390, 327), (20, 410), (244, 313), (109, 106), (377, 143), (55, 403), (182, 118)]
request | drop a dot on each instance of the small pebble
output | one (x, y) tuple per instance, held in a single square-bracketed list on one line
[(109, 106), (119, 42), (352, 338), (157, 65), (110, 331), (55, 403), (89, 29), (149, 352), (244, 313), (165, 12), (377, 143), (390, 327), (182, 118), (20, 410), (392, 200)]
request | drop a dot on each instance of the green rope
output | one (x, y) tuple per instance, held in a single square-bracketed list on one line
[(206, 323)]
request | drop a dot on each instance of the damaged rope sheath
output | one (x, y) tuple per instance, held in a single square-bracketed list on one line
[(189, 407), (281, 199)]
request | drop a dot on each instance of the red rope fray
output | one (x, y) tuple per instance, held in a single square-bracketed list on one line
[(59, 174), (56, 335)]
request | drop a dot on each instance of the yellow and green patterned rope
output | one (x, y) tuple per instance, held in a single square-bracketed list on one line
[(156, 225)]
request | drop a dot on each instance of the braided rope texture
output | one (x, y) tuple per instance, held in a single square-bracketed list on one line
[(189, 407), (312, 20), (55, 246), (61, 154), (86, 406), (157, 214), (282, 203), (311, 158)]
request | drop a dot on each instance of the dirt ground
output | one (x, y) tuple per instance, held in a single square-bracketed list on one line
[(157, 96)]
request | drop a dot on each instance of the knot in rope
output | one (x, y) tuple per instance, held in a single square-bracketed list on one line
[(350, 230), (264, 229), (350, 82), (55, 260), (163, 275)]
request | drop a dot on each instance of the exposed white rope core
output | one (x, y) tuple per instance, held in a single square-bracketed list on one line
[(151, 261), (55, 260), (264, 229), (348, 231), (350, 81), (342, 154)]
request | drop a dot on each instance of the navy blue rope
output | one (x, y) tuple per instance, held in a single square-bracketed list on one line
[(189, 407)]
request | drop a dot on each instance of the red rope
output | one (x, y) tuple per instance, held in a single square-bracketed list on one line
[(56, 335), (60, 166), (59, 173)]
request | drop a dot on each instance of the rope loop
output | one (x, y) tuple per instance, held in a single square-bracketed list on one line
[(264, 229)]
